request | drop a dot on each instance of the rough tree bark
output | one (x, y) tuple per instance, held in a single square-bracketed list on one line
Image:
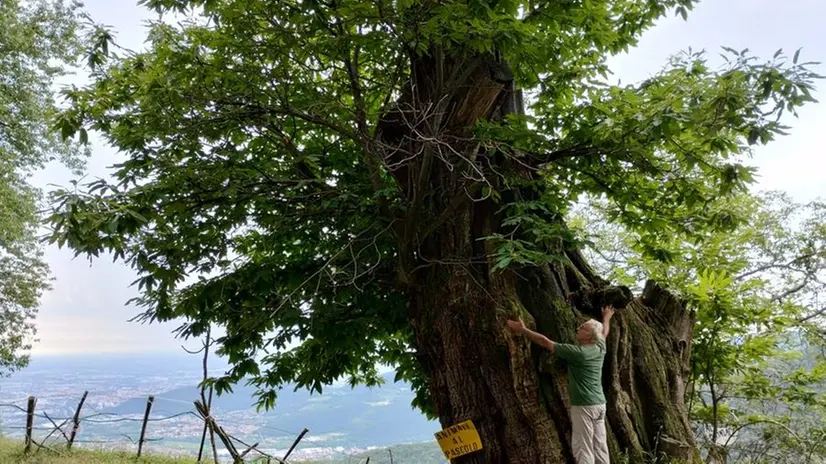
[(515, 394)]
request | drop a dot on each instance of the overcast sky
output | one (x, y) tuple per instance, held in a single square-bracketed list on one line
[(85, 311)]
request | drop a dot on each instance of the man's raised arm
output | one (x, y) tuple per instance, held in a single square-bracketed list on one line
[(607, 314), (519, 327)]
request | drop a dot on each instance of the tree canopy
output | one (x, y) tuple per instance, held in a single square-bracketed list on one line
[(266, 191), (37, 40)]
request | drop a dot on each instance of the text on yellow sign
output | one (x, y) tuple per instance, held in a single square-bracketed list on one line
[(458, 440)]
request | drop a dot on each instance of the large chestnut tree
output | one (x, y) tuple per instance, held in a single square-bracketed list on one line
[(367, 182)]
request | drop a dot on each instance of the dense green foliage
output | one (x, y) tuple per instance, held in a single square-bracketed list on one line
[(757, 367), (254, 163), (37, 38)]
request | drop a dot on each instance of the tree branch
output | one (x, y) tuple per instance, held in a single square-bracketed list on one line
[(815, 314), (791, 291), (570, 152), (762, 421), (770, 266)]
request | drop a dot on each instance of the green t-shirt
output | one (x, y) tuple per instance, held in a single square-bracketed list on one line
[(584, 372)]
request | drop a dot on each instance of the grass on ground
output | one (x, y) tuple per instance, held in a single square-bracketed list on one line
[(11, 452)]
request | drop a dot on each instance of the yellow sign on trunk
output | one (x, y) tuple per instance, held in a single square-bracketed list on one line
[(459, 440)]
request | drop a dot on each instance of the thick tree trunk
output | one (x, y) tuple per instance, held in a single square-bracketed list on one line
[(514, 393)]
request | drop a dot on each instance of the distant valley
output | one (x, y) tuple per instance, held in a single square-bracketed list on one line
[(342, 422)]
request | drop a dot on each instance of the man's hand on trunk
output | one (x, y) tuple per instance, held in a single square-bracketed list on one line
[(517, 326)]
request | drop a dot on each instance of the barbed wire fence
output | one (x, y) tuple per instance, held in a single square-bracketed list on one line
[(64, 431), (60, 434)]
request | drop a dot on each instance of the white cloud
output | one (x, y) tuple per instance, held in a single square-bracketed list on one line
[(376, 404)]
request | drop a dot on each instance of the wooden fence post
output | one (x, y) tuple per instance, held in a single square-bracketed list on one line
[(76, 419), (214, 427), (29, 422), (295, 443), (203, 441), (207, 408), (226, 440), (145, 420)]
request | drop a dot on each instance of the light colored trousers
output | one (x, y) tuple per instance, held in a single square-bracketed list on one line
[(588, 440)]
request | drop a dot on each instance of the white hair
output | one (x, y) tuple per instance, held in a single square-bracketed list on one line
[(596, 330)]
